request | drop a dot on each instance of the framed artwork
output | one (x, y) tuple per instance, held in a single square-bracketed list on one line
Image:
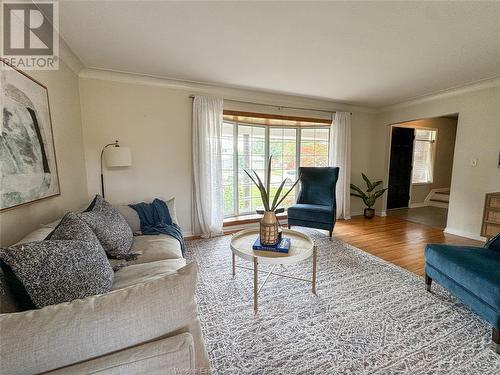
[(28, 168)]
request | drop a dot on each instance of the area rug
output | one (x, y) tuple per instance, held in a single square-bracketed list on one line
[(369, 317)]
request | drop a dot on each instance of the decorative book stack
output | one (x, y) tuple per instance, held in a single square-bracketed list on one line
[(281, 247)]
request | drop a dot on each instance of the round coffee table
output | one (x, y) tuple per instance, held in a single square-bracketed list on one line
[(302, 247)]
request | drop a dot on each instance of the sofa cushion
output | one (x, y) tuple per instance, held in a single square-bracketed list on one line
[(155, 247), (36, 341), (142, 273), (476, 269), (56, 271), (171, 355), (110, 227), (311, 212), (37, 235)]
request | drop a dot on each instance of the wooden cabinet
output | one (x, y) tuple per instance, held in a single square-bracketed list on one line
[(491, 215)]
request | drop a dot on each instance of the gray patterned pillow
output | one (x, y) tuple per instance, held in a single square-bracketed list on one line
[(110, 227), (71, 227), (56, 271)]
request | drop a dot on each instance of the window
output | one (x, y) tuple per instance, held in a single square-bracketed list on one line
[(423, 156), (251, 154), (283, 148), (247, 144), (314, 147)]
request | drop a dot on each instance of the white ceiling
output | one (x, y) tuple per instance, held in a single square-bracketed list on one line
[(369, 53)]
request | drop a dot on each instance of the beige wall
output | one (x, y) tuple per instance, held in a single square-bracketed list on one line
[(477, 137), (443, 157), (66, 125), (155, 123), (154, 120), (367, 156)]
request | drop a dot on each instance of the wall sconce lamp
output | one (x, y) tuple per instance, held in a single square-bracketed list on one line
[(116, 156)]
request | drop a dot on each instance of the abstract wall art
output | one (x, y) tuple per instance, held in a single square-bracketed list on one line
[(28, 168)]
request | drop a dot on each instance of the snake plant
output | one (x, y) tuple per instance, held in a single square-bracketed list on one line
[(371, 196), (265, 190)]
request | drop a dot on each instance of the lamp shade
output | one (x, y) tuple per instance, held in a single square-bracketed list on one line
[(118, 157)]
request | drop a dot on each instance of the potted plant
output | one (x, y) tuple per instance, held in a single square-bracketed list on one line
[(269, 228), (370, 197)]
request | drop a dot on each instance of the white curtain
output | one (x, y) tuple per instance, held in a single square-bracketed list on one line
[(340, 156), (208, 209)]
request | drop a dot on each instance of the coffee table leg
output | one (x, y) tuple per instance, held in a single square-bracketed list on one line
[(255, 293), (314, 270), (234, 265)]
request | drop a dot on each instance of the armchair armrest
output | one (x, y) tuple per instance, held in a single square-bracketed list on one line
[(493, 243)]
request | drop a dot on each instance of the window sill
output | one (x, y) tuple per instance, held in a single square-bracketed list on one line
[(421, 183), (248, 219)]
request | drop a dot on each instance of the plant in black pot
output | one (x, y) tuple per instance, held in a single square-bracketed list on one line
[(370, 196)]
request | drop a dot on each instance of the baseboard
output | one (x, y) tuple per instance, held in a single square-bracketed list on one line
[(461, 233), (418, 204), (361, 213)]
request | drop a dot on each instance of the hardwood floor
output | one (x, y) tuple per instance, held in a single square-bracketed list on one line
[(397, 241)]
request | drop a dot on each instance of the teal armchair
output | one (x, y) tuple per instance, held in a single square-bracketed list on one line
[(316, 205), (472, 274)]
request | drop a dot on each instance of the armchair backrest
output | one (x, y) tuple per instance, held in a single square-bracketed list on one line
[(317, 185)]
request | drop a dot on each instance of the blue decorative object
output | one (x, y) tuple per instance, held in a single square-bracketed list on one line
[(316, 204), (283, 246), (470, 273), (155, 219)]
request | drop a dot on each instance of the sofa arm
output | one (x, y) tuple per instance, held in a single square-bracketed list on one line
[(64, 334)]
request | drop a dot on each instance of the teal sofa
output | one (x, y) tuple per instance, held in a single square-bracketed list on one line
[(472, 274)]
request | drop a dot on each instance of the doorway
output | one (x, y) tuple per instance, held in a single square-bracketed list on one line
[(420, 169), (400, 167)]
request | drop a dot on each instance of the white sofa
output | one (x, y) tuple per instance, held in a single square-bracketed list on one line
[(148, 323)]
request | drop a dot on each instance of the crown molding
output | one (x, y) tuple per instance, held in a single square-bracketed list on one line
[(227, 91), (444, 94), (69, 58), (274, 98)]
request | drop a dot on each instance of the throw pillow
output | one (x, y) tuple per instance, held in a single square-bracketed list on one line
[(109, 226), (56, 271), (14, 295), (171, 209), (131, 217), (71, 227)]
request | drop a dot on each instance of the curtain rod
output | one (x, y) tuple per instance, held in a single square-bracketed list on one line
[(277, 106)]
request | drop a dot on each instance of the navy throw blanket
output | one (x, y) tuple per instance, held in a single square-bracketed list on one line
[(155, 219)]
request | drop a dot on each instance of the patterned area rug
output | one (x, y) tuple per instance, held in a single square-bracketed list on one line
[(369, 317)]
